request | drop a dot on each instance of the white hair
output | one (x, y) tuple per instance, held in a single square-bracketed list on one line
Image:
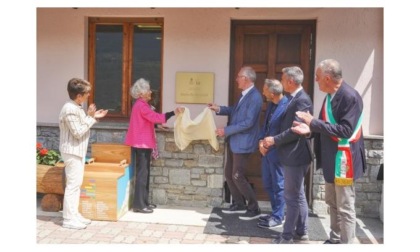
[(331, 67), (141, 86)]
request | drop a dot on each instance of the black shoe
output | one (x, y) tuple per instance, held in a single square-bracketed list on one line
[(234, 209), (144, 210), (151, 206), (281, 240), (330, 242), (264, 218), (251, 214), (298, 237)]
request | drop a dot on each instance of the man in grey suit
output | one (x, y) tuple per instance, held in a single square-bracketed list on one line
[(295, 156), (339, 147), (242, 137)]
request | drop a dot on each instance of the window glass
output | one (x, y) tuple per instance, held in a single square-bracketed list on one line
[(108, 67), (122, 50), (147, 44)]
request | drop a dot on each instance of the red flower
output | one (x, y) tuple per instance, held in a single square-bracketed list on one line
[(43, 152), (45, 156)]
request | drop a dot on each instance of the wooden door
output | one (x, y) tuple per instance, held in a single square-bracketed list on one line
[(268, 47)]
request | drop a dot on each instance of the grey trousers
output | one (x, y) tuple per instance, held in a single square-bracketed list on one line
[(296, 205), (341, 200)]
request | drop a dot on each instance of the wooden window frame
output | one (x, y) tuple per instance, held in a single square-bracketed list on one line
[(127, 81)]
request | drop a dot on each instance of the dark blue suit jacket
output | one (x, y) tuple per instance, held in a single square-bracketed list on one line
[(294, 149), (243, 129), (347, 106), (274, 125)]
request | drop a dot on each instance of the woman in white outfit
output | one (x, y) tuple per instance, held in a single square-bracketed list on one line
[(74, 137)]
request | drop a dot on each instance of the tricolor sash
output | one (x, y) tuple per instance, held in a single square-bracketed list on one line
[(343, 159)]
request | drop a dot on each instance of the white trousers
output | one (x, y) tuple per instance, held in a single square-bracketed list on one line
[(341, 200), (74, 178)]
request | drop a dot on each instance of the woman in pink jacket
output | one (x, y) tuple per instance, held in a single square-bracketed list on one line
[(141, 137)]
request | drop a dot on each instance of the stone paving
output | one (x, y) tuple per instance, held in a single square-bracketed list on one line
[(49, 230), (169, 225)]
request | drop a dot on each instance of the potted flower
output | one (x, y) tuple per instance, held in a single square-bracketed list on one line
[(49, 180), (45, 156)]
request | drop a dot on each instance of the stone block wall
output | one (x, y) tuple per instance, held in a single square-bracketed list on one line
[(194, 176)]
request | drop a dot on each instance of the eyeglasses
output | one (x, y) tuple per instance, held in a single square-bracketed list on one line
[(239, 76)]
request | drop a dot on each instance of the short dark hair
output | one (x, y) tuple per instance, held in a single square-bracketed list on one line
[(77, 86)]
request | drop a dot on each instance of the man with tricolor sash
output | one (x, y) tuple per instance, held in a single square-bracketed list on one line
[(339, 147)]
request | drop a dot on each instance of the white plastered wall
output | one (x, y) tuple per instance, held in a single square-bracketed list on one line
[(198, 40)]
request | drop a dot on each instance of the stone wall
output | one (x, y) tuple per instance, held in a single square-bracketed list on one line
[(194, 177), (368, 188)]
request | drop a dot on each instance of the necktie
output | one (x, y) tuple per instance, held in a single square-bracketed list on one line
[(289, 99), (240, 98)]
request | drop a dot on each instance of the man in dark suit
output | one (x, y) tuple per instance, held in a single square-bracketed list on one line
[(272, 171), (295, 156), (339, 147), (242, 138)]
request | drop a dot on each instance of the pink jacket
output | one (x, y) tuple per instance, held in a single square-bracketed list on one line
[(141, 130)]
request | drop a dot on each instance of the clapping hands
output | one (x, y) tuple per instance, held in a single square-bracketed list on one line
[(300, 128), (100, 113), (96, 113)]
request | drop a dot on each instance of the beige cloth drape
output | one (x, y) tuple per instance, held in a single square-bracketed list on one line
[(202, 127)]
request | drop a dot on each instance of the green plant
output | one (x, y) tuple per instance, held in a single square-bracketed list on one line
[(45, 156)]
